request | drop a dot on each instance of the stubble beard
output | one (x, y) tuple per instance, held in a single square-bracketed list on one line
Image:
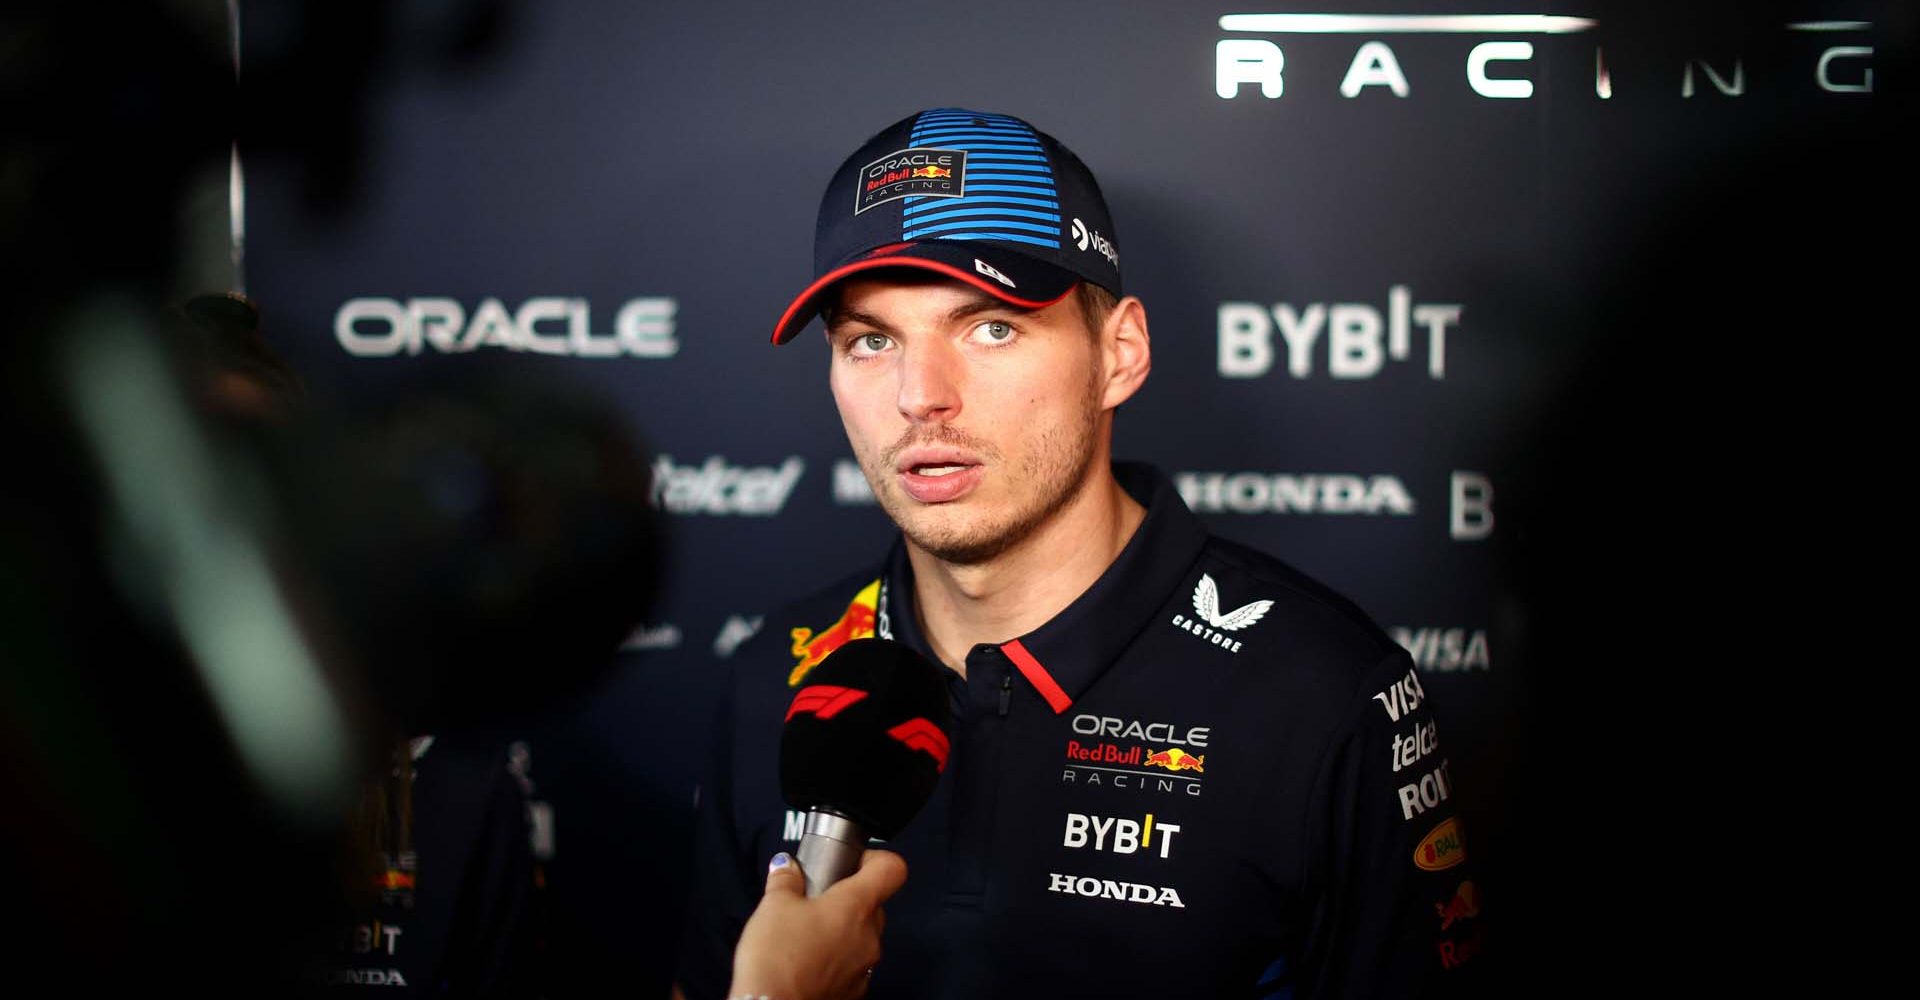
[(1056, 468)]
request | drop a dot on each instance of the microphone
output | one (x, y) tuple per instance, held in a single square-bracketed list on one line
[(863, 745)]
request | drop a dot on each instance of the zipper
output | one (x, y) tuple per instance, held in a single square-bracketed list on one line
[(1006, 692)]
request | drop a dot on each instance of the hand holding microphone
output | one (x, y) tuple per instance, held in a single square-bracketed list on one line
[(800, 948), (864, 743)]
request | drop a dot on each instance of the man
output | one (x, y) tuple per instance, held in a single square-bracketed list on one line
[(1179, 767)]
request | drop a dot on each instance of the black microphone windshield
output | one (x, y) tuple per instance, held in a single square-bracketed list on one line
[(867, 736)]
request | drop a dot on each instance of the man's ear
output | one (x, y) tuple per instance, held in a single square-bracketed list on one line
[(1126, 350)]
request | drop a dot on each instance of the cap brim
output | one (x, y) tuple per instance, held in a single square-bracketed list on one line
[(1009, 276)]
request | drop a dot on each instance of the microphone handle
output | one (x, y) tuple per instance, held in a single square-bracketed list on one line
[(830, 849)]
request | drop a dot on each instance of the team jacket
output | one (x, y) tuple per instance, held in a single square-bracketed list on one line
[(1208, 776), (457, 915)]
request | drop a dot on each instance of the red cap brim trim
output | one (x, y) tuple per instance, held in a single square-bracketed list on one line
[(805, 299)]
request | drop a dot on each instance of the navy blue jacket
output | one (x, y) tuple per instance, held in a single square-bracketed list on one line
[(1208, 776)]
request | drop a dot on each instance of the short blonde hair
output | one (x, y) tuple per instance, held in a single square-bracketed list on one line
[(1095, 304)]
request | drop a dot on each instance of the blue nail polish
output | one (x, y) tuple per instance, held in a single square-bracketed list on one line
[(779, 861)]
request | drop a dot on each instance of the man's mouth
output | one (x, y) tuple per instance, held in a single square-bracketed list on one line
[(937, 474)]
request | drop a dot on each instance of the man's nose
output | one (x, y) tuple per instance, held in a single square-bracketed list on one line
[(930, 381)]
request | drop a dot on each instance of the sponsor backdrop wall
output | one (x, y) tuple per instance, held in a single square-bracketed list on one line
[(1374, 253)]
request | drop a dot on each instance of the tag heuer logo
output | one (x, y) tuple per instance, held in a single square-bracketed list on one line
[(1209, 624)]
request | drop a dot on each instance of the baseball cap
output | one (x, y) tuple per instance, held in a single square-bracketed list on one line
[(982, 198)]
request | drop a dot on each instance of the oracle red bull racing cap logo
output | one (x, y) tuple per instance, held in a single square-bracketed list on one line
[(920, 172)]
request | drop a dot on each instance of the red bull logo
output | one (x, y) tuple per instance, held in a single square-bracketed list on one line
[(394, 879), (1176, 759), (1443, 848), (1465, 905), (1454, 954), (932, 172), (855, 623)]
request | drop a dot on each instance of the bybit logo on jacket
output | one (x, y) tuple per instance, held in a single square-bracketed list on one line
[(1213, 626), (369, 939), (1118, 836)]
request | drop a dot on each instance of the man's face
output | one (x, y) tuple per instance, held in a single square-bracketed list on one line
[(975, 422)]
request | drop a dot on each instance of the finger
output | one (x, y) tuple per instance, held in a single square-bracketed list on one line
[(784, 876), (881, 874)]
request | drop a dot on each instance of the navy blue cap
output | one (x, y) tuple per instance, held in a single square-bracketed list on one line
[(982, 198)]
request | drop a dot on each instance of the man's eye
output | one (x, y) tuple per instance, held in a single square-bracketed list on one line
[(870, 343), (994, 331)]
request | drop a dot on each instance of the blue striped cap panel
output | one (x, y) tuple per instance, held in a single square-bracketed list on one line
[(1009, 185)]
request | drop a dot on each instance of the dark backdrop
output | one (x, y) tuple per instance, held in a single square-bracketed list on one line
[(1587, 364)]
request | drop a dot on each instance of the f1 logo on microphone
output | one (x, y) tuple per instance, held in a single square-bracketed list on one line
[(823, 700), (923, 735)]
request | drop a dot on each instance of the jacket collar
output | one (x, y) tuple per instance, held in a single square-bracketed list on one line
[(1067, 654)]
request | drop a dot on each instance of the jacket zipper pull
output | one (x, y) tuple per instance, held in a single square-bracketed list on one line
[(1006, 693)]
